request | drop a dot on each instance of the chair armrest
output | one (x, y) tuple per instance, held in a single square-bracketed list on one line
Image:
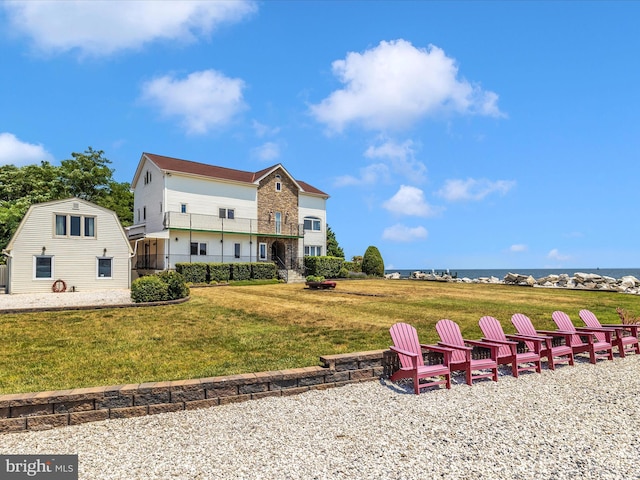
[(631, 327), (403, 352), (500, 342), (492, 346), (537, 348), (454, 347), (412, 355), (608, 332), (437, 348)]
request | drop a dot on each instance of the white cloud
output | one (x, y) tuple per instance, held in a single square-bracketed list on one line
[(554, 254), (99, 28), (204, 100), (16, 152), (402, 233), (369, 175), (410, 201), (264, 130), (473, 190), (395, 84), (268, 151), (518, 247), (402, 159)]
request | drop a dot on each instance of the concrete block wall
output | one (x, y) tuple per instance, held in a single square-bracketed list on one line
[(45, 410)]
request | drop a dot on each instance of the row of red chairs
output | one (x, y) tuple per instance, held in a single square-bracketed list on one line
[(557, 346)]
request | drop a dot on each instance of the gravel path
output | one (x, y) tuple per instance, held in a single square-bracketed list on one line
[(576, 422), (67, 299)]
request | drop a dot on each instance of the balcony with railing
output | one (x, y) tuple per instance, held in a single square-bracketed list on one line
[(244, 226)]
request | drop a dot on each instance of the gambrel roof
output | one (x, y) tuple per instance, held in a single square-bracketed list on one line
[(176, 165)]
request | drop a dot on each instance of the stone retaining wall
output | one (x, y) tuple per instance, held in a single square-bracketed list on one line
[(44, 410)]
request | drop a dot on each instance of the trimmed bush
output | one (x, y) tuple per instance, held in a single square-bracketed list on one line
[(149, 289), (193, 272), (343, 273), (219, 272), (177, 288), (353, 266), (328, 267), (240, 271), (263, 271), (372, 263)]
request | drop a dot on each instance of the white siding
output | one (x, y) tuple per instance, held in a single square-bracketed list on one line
[(75, 258), (311, 206), (207, 196), (149, 195)]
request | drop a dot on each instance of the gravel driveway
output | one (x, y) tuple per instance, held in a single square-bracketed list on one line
[(576, 422)]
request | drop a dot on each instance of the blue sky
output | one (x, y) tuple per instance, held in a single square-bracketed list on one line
[(448, 134)]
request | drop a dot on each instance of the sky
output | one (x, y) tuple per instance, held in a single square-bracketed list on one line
[(458, 134)]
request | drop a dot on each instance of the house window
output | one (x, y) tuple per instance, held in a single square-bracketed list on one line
[(312, 223), (198, 248), (147, 177), (75, 226), (312, 251), (278, 222), (183, 208), (43, 267), (229, 213), (278, 186), (262, 251), (105, 267), (89, 227), (144, 213), (236, 250), (61, 225), (138, 215)]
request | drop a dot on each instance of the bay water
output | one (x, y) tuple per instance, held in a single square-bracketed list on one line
[(534, 272)]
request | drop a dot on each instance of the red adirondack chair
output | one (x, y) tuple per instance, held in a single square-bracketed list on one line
[(625, 343), (508, 351), (565, 324), (409, 350), (451, 337), (555, 354)]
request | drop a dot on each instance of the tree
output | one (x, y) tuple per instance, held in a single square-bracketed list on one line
[(372, 263), (87, 175), (333, 249)]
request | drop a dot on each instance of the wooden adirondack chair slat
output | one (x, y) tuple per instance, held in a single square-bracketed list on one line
[(507, 353), (625, 343), (461, 359), (564, 323), (409, 350), (554, 354)]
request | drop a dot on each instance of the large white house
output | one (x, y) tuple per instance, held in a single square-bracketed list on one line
[(68, 245), (193, 212)]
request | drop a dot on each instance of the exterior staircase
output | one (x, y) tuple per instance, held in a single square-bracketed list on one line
[(291, 276)]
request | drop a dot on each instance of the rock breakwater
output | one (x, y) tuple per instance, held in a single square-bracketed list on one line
[(579, 281)]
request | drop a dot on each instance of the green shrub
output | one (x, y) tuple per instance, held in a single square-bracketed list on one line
[(263, 271), (315, 278), (219, 272), (372, 263), (177, 287), (328, 267), (193, 272), (149, 289), (343, 273), (353, 266), (240, 271)]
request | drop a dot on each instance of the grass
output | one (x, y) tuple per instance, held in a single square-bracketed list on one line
[(240, 329)]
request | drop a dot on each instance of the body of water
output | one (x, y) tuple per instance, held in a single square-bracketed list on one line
[(535, 272)]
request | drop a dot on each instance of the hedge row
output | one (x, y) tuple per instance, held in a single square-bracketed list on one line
[(328, 267), (159, 287), (223, 272)]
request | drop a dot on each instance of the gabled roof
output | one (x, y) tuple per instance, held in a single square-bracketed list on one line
[(34, 206), (176, 165)]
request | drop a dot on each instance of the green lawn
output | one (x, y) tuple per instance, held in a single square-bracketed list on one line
[(240, 329)]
